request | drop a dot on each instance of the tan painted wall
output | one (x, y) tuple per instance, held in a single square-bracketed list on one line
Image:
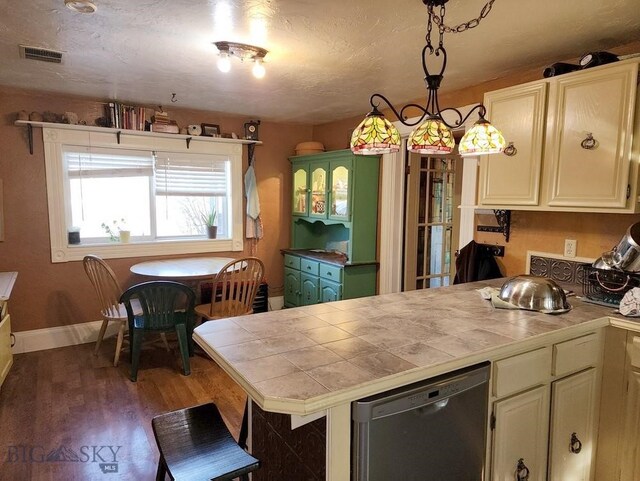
[(537, 231), (546, 232), (47, 294)]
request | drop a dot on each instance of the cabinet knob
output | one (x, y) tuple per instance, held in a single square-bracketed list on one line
[(522, 472), (329, 273), (510, 150), (575, 446), (589, 143)]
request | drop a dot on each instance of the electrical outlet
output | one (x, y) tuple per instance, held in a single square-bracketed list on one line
[(570, 247)]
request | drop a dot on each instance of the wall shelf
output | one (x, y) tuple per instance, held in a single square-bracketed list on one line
[(119, 132)]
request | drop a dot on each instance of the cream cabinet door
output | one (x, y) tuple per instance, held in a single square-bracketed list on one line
[(520, 437), (573, 403), (514, 180), (6, 358), (630, 446), (599, 104)]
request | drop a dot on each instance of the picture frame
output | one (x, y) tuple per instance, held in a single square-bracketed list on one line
[(210, 130)]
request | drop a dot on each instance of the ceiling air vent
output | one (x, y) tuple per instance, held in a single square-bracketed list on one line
[(42, 54)]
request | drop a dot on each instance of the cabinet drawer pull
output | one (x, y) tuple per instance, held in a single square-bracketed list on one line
[(510, 150), (576, 445), (308, 268), (522, 472), (329, 273), (589, 143)]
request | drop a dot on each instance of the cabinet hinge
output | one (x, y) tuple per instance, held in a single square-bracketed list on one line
[(492, 421), (628, 191)]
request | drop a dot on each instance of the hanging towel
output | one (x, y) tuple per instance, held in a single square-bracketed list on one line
[(254, 222)]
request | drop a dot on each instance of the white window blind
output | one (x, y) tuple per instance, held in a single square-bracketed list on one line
[(192, 174), (95, 162)]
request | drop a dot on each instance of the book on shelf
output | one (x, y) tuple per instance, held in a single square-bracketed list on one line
[(122, 116), (168, 128)]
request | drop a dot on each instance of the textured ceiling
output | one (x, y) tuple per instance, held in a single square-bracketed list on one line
[(325, 57)]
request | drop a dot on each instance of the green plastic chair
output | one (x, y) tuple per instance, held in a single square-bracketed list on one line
[(166, 306)]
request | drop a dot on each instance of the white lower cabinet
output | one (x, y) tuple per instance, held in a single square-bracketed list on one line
[(571, 448), (630, 458), (546, 430), (520, 437)]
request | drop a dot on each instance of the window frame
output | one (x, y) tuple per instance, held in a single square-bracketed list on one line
[(55, 138)]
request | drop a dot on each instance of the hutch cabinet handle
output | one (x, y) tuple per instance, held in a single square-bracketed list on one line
[(575, 445), (522, 472), (510, 150), (589, 143)]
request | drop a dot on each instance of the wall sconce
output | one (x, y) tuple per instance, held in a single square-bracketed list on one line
[(244, 52)]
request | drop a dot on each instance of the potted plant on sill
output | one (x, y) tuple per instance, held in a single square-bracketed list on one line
[(210, 223), (124, 234)]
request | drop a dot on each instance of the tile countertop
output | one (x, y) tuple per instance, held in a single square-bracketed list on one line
[(307, 359)]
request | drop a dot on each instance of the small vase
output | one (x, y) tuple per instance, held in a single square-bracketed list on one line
[(125, 236), (212, 231)]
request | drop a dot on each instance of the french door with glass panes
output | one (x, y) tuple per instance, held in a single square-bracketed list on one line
[(432, 221)]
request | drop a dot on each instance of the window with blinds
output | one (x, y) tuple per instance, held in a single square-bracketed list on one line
[(154, 195)]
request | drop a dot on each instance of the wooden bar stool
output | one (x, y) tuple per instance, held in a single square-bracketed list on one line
[(195, 445)]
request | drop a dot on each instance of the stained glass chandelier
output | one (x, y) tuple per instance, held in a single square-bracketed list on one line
[(433, 135)]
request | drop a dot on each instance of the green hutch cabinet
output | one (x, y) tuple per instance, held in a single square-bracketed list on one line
[(333, 228)]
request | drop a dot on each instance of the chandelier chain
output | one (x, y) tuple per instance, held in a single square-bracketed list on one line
[(474, 22)]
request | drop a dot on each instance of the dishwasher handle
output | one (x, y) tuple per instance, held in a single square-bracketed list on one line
[(429, 393)]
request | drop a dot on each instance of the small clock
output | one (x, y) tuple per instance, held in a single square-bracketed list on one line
[(251, 130)]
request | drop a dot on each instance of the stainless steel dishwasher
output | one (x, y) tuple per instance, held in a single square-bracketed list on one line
[(434, 430)]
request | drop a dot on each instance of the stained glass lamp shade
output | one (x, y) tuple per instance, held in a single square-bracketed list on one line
[(482, 138), (375, 135), (431, 137)]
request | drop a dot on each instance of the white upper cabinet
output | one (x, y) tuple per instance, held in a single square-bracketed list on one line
[(589, 137), (514, 178), (573, 137)]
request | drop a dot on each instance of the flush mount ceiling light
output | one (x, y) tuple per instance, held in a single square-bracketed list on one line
[(376, 135), (81, 6), (244, 52)]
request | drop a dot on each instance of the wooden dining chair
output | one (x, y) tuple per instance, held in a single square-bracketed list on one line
[(233, 289), (166, 306), (108, 290)]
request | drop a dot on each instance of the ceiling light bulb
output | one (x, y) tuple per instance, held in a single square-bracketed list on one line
[(224, 62), (258, 69)]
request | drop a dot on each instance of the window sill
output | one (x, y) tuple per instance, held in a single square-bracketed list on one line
[(142, 249)]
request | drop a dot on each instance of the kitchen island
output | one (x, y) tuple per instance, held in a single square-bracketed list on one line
[(314, 361)]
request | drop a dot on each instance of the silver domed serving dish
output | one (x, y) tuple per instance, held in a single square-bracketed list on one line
[(535, 294)]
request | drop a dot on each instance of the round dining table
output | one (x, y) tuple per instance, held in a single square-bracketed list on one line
[(184, 268)]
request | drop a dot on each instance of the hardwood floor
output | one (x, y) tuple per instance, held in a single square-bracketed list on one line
[(68, 415)]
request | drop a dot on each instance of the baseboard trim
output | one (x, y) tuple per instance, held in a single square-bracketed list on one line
[(71, 335), (276, 303), (60, 336)]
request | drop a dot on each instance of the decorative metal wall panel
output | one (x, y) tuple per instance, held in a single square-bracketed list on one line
[(284, 453), (561, 270)]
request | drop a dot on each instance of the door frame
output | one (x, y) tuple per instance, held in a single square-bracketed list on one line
[(392, 194)]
